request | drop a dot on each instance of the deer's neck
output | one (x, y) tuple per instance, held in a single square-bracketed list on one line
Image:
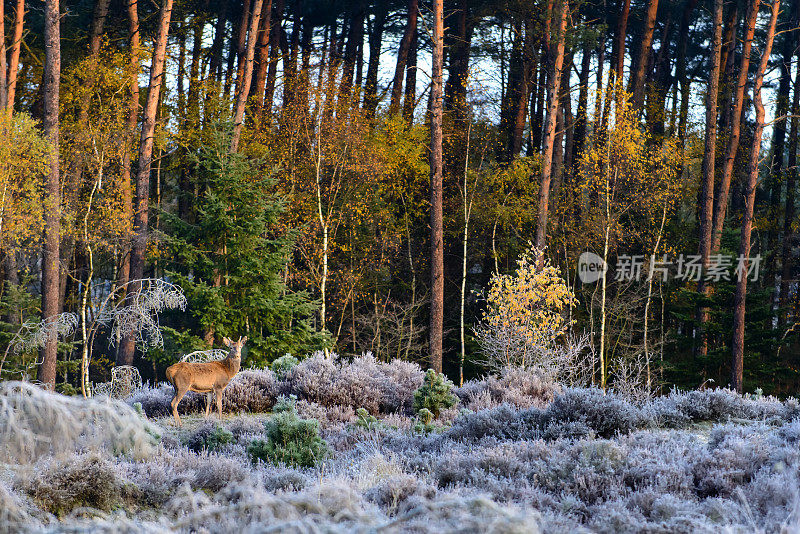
[(233, 365)]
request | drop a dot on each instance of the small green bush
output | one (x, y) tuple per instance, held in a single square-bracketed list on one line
[(365, 420), (290, 440), (435, 394), (281, 366), (210, 438)]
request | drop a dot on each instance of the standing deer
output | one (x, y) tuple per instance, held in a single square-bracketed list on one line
[(206, 377)]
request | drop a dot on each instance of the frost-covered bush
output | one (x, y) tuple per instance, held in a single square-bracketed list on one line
[(290, 440), (523, 388), (84, 481), (362, 383), (281, 366), (435, 394), (603, 413), (36, 422)]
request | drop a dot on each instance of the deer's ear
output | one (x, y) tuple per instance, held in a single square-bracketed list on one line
[(227, 342), (242, 340)]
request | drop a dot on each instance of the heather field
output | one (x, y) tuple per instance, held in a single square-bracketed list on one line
[(330, 446)]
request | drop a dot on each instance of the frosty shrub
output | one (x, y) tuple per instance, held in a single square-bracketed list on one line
[(524, 318), (36, 422), (361, 383), (210, 437), (283, 365), (84, 481), (523, 388), (290, 440), (125, 379), (435, 394), (605, 414)]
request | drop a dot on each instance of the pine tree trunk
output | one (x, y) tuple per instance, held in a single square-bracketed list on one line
[(639, 75), (3, 66), (51, 271), (409, 99), (130, 128), (13, 60), (732, 146), (354, 37), (737, 345), (243, 84), (707, 184), (402, 56), (375, 43), (437, 229), (263, 56), (272, 72), (555, 64), (142, 203), (789, 236), (680, 67)]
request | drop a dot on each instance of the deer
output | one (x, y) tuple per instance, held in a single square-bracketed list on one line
[(205, 377)]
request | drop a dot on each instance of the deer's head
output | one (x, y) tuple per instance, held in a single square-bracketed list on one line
[(235, 346)]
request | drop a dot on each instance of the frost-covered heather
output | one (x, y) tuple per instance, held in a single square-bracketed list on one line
[(532, 458)]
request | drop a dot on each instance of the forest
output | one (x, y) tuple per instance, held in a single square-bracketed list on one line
[(409, 180), (500, 266)]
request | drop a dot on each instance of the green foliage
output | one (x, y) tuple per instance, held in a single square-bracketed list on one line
[(230, 260), (290, 440), (211, 440), (283, 365), (365, 420), (435, 394)]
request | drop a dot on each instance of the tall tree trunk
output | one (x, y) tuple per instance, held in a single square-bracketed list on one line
[(709, 158), (409, 99), (51, 265), (141, 211), (354, 37), (3, 66), (776, 171), (402, 56), (789, 236), (639, 75), (555, 63), (375, 43), (619, 44), (680, 67), (13, 61), (437, 229), (274, 39), (247, 74), (215, 59), (732, 146), (263, 56), (737, 345), (130, 128), (521, 105)]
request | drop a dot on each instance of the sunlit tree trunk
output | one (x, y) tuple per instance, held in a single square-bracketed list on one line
[(638, 76), (555, 64), (707, 184), (737, 345), (732, 146), (409, 98), (142, 203), (51, 271), (243, 84), (437, 230)]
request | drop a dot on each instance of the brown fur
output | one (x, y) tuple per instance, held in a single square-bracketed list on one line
[(205, 377)]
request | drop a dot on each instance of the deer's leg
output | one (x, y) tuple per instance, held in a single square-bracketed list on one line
[(208, 403), (179, 393), (218, 395)]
